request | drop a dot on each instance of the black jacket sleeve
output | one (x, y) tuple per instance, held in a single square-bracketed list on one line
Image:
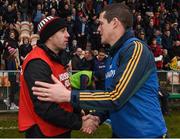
[(38, 70)]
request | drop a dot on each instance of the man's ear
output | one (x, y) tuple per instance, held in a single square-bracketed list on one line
[(115, 22)]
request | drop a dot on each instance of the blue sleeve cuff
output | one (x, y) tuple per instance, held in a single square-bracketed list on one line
[(75, 98)]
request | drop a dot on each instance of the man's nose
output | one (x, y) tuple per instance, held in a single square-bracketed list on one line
[(67, 34), (98, 29)]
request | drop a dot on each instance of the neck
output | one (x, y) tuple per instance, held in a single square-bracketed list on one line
[(52, 47), (116, 36)]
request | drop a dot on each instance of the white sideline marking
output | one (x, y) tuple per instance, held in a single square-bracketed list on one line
[(8, 128)]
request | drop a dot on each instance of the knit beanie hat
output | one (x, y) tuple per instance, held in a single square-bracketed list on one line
[(49, 26)]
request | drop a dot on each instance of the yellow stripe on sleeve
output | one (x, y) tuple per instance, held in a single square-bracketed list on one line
[(129, 74)]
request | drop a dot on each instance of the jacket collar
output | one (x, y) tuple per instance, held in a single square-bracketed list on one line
[(50, 53)]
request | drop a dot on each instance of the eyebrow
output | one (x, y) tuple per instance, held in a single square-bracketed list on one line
[(100, 22)]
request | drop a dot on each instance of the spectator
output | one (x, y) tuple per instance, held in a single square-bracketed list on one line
[(61, 4), (94, 35), (74, 15), (138, 21), (46, 5), (23, 9), (24, 48), (141, 35), (53, 12), (99, 69), (167, 42), (53, 4), (158, 53), (163, 96), (65, 11), (11, 15), (2, 26), (175, 31), (176, 48), (88, 60), (71, 29), (158, 36), (166, 60), (150, 31), (10, 27), (98, 5), (82, 80), (77, 63), (82, 32), (11, 63), (156, 19), (73, 47), (37, 16), (2, 8)]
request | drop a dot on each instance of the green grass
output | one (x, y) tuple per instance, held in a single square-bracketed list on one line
[(104, 131), (173, 124)]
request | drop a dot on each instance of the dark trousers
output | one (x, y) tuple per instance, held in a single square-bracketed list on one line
[(13, 88), (34, 132)]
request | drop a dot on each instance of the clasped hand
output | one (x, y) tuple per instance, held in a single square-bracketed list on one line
[(90, 123)]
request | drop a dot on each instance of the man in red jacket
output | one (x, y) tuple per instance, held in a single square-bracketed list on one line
[(46, 119)]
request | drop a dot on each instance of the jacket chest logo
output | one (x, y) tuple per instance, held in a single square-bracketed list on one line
[(64, 78), (110, 73)]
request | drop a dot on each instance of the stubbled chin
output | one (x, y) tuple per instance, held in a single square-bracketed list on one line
[(66, 43), (64, 47), (102, 41)]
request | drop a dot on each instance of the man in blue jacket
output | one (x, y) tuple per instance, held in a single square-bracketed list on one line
[(131, 94)]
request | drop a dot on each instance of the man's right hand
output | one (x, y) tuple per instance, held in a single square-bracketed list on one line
[(90, 124), (56, 92)]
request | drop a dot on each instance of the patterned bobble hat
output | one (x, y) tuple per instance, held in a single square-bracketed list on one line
[(49, 26)]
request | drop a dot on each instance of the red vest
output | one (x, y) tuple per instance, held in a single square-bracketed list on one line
[(27, 116)]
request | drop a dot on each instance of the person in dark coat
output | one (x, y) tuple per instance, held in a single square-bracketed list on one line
[(11, 15), (99, 69), (24, 49), (77, 63), (167, 42)]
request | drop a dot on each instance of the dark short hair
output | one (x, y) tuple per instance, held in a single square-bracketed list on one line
[(120, 11), (102, 50)]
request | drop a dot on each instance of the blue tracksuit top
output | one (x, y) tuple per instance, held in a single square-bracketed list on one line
[(131, 94)]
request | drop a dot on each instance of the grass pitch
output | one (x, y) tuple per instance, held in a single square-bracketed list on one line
[(8, 127)]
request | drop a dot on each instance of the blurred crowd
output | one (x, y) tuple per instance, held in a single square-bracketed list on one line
[(156, 22)]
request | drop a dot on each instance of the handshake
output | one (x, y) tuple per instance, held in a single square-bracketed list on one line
[(89, 123)]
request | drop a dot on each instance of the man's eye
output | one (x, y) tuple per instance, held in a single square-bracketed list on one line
[(63, 30), (100, 23)]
